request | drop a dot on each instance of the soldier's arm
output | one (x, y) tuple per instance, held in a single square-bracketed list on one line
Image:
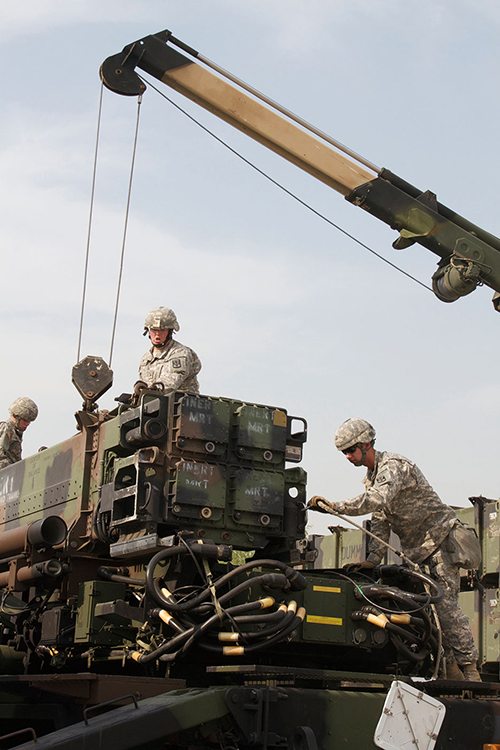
[(195, 365), (143, 378), (4, 439), (388, 482)]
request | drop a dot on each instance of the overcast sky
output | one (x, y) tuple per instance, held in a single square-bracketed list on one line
[(281, 308)]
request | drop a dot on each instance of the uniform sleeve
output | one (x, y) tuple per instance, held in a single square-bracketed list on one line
[(143, 369), (388, 482), (380, 526), (10, 446), (4, 439)]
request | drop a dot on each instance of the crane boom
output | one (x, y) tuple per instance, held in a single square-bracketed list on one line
[(469, 256)]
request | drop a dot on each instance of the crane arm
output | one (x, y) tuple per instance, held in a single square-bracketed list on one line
[(469, 256)]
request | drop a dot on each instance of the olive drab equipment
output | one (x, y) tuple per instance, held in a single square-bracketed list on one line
[(168, 539)]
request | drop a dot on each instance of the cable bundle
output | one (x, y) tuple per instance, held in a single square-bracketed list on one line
[(211, 616)]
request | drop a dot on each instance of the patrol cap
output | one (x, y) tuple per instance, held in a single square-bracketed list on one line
[(161, 318), (24, 408), (352, 431)]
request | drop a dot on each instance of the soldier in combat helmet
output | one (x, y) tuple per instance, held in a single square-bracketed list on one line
[(400, 498), (22, 412), (168, 365)]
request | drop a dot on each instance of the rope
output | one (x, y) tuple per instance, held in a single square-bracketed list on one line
[(118, 289), (85, 273), (286, 190)]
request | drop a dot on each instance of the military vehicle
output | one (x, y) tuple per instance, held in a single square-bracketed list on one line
[(158, 588)]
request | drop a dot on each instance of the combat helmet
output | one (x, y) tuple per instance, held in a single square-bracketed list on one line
[(352, 431), (161, 318), (24, 408)]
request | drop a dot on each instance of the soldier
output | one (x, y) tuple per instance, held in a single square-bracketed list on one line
[(22, 412), (400, 498), (168, 365)]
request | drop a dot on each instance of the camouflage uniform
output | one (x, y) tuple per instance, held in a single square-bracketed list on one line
[(10, 444), (401, 499), (175, 366)]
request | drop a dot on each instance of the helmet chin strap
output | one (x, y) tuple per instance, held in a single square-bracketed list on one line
[(167, 340), (364, 451)]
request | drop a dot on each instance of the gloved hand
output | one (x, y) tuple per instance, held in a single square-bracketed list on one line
[(354, 567), (157, 387), (313, 504), (139, 386)]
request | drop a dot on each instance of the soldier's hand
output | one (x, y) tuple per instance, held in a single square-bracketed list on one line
[(139, 386), (355, 567), (314, 504), (157, 387), (138, 389)]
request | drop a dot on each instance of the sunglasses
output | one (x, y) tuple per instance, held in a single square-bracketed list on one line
[(351, 450)]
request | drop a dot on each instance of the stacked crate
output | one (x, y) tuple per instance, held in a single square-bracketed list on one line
[(480, 595)]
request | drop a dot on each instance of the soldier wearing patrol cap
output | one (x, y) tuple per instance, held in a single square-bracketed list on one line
[(402, 500), (22, 412), (168, 365)]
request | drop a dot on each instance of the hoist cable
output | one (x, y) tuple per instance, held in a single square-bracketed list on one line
[(282, 187), (118, 289), (85, 273)]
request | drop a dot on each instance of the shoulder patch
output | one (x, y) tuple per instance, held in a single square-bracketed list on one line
[(382, 479), (176, 364)]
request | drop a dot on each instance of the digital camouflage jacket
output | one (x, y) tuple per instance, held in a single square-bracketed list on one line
[(175, 367), (400, 498), (10, 444)]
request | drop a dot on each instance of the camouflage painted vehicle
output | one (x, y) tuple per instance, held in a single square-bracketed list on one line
[(154, 568)]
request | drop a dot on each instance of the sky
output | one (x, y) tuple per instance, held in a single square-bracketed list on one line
[(282, 308)]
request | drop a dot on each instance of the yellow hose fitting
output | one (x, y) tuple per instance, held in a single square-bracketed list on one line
[(228, 636), (401, 619), (165, 616), (266, 602), (166, 593), (378, 620)]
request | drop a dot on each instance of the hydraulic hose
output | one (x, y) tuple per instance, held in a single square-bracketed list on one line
[(242, 650), (286, 615), (177, 640), (411, 573), (294, 580)]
